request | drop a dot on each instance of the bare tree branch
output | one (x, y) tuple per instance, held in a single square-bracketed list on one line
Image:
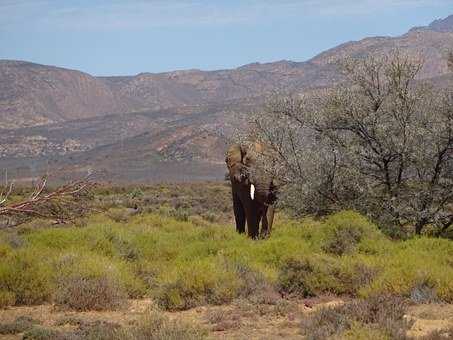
[(62, 204)]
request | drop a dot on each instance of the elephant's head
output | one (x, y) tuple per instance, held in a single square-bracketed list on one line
[(244, 170)]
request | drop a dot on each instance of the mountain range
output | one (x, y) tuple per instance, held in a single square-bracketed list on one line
[(165, 126)]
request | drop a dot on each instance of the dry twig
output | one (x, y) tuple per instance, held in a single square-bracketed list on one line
[(62, 204)]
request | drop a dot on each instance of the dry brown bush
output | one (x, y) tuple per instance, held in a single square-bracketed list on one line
[(89, 293)]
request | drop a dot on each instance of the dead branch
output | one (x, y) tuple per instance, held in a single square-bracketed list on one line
[(63, 204)]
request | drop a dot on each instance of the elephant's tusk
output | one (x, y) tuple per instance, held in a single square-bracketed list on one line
[(252, 192)]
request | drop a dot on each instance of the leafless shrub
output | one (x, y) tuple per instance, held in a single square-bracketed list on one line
[(381, 144), (65, 203)]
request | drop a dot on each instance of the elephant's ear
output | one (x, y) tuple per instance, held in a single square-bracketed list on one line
[(233, 156)]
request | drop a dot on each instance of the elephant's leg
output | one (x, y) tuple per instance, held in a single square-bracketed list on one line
[(239, 214), (264, 224), (253, 221), (270, 217), (268, 220)]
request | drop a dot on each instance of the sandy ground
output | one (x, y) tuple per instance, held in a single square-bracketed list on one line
[(240, 320)]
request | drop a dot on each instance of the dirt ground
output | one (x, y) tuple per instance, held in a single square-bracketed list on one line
[(240, 320)]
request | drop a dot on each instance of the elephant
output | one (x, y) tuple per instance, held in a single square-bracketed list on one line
[(254, 192)]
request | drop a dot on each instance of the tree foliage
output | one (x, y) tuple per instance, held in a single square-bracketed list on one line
[(380, 143)]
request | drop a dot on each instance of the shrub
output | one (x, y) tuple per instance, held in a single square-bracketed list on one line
[(325, 323), (7, 298), (155, 326), (88, 284), (210, 217), (221, 319), (89, 293), (90, 264), (284, 307), (441, 334), (152, 326), (26, 276), (122, 245), (5, 249), (310, 276), (199, 221), (119, 215), (42, 333), (344, 230), (253, 284), (20, 325), (360, 332), (424, 292), (99, 330), (70, 320), (355, 275), (198, 283), (383, 315), (180, 214), (136, 193), (416, 269)]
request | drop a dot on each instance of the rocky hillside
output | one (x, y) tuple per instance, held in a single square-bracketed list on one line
[(32, 94), (53, 114), (442, 25)]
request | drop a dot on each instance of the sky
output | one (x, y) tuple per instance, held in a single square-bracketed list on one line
[(128, 37)]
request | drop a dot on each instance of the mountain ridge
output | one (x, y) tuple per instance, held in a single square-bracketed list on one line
[(76, 121)]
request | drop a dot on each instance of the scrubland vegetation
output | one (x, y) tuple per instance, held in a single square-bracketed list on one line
[(365, 216), (175, 253)]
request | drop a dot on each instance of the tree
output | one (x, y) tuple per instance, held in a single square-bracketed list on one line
[(380, 143)]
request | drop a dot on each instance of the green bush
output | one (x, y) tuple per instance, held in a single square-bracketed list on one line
[(27, 275), (198, 283), (310, 276), (344, 231), (180, 214), (186, 264), (414, 264)]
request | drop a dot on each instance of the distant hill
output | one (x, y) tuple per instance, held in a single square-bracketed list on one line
[(442, 25), (72, 120)]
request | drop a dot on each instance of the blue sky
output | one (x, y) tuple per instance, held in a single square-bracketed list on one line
[(127, 37)]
